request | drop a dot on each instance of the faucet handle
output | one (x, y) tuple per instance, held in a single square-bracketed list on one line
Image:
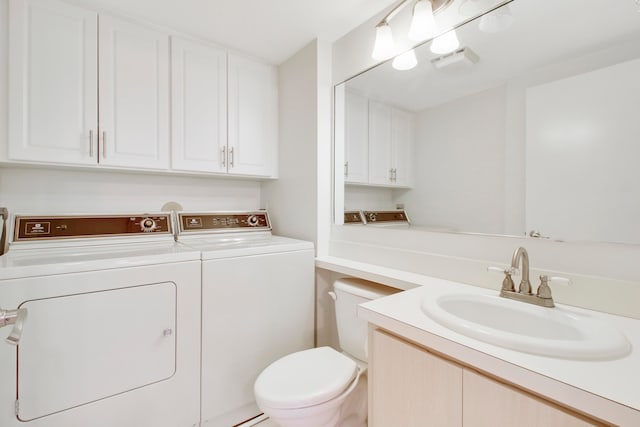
[(512, 271), (507, 283), (544, 291)]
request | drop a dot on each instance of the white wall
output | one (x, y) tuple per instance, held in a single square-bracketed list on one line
[(460, 161), (359, 197), (42, 190), (291, 199)]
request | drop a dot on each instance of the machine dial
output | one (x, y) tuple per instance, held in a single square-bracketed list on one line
[(148, 225), (253, 220), (372, 217)]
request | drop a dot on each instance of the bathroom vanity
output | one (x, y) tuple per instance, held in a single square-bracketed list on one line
[(421, 370)]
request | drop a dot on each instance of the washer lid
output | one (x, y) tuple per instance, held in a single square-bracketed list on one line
[(305, 378)]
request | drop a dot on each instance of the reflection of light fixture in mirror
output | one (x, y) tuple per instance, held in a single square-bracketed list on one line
[(497, 20), (470, 7), (445, 43), (384, 47), (406, 61), (423, 23), (422, 26)]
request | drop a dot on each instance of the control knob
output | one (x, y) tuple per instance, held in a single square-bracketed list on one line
[(253, 220), (148, 225)]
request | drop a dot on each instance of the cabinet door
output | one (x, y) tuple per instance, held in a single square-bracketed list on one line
[(488, 403), (411, 387), (134, 95), (401, 147), (81, 348), (356, 142), (379, 143), (53, 82), (199, 106), (253, 117)]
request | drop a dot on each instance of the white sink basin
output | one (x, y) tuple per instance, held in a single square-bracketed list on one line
[(555, 332)]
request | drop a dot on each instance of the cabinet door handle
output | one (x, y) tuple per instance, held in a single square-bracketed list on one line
[(231, 157), (224, 157), (91, 143), (15, 318), (346, 169), (104, 144)]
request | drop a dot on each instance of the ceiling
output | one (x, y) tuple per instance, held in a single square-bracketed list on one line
[(272, 30)]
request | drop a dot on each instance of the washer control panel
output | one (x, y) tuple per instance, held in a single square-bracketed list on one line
[(223, 221), (353, 217), (28, 228), (399, 216)]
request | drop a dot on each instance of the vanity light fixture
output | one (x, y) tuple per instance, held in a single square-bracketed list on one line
[(423, 26), (445, 43), (406, 61), (496, 21)]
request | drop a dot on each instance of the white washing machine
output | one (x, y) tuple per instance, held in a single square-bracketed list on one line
[(258, 305), (105, 311)]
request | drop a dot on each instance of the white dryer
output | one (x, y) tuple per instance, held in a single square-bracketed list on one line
[(257, 305), (106, 323)]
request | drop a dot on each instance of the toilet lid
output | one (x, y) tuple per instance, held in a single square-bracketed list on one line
[(305, 378)]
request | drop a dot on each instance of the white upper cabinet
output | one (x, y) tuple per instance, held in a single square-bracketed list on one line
[(253, 118), (380, 170), (56, 115), (401, 146), (91, 89), (378, 143), (53, 88), (199, 106), (356, 141), (134, 95)]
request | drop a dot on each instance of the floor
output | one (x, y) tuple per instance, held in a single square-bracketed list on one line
[(261, 421)]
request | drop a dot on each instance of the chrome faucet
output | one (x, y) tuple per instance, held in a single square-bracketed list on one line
[(543, 295), (521, 254)]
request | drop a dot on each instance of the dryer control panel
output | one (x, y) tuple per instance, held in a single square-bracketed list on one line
[(223, 221), (29, 228)]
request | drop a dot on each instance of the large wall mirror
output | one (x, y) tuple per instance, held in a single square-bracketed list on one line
[(528, 129)]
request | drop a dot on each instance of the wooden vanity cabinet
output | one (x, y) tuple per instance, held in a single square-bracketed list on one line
[(409, 386)]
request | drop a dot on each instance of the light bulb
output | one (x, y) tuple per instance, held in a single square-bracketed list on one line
[(497, 21), (423, 24), (384, 47), (445, 43), (406, 61)]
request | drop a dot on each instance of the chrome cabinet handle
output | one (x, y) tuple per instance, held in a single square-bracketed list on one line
[(231, 157), (91, 143), (104, 144), (15, 318), (224, 157), (4, 214), (346, 169)]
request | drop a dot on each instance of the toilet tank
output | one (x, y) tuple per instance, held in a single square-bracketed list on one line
[(352, 331)]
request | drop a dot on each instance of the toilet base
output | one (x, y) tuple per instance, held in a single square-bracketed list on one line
[(348, 412)]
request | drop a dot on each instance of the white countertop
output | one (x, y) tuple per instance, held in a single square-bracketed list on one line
[(608, 390)]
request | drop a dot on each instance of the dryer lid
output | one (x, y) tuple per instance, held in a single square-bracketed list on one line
[(305, 378)]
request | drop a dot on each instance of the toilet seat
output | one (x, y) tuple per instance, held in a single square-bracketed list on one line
[(305, 378)]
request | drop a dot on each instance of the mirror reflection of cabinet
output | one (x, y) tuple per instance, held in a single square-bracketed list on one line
[(377, 143), (356, 141)]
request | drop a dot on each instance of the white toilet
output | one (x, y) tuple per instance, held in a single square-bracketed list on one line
[(322, 387)]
